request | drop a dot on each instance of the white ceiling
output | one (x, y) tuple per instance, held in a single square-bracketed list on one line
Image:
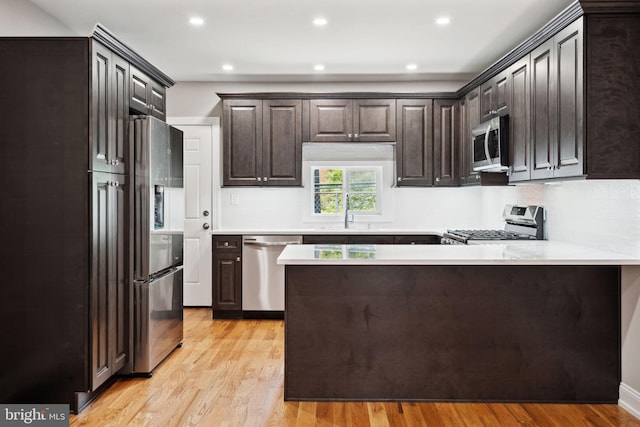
[(275, 40)]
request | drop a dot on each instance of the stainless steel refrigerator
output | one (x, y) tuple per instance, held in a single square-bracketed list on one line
[(158, 242)]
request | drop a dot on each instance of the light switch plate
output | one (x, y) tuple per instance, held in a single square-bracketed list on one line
[(235, 199)]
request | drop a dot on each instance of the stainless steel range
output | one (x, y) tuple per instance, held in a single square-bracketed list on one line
[(521, 223)]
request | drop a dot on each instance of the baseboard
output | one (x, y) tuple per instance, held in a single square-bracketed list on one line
[(630, 400)]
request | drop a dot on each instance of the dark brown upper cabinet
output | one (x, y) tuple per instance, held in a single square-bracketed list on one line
[(352, 120), (557, 105), (147, 95), (445, 142), (262, 142), (110, 106), (494, 96), (414, 145), (282, 142), (519, 81), (469, 118)]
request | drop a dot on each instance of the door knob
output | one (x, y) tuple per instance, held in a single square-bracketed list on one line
[(205, 213), (205, 226)]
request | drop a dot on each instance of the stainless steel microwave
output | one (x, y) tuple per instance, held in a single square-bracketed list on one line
[(490, 145)]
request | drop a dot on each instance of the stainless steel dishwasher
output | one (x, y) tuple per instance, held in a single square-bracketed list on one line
[(262, 276)]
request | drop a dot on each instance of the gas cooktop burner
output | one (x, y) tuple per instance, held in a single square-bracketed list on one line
[(521, 223)]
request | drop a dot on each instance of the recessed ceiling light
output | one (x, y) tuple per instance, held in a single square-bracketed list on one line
[(443, 20), (319, 22), (227, 67), (196, 21), (318, 67), (412, 67)]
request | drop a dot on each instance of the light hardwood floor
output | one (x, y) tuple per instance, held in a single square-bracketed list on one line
[(230, 373)]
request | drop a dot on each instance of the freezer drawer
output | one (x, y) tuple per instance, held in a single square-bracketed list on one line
[(158, 319)]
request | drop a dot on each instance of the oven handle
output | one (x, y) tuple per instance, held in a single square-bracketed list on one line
[(486, 144)]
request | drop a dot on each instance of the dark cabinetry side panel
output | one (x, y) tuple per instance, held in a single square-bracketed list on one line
[(44, 263), (613, 105)]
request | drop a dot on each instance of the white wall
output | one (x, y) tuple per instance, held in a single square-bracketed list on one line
[(23, 18)]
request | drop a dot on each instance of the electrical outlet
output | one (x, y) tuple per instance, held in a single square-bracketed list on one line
[(235, 199)]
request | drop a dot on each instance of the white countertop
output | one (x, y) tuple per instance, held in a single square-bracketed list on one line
[(519, 253), (325, 230)]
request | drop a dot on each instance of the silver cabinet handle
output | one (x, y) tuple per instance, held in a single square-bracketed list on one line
[(399, 179), (205, 213), (259, 178), (438, 179), (206, 226), (265, 179), (116, 162), (350, 135), (357, 135), (238, 259)]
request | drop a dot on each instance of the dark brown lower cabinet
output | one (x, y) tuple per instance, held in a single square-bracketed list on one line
[(227, 277)]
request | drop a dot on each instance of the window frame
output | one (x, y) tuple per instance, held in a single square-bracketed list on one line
[(346, 169)]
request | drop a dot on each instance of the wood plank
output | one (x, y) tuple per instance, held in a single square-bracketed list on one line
[(230, 373)]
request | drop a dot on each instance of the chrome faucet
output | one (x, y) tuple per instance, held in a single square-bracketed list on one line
[(346, 211)]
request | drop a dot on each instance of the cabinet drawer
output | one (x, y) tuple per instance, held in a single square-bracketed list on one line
[(315, 239), (370, 239), (227, 243)]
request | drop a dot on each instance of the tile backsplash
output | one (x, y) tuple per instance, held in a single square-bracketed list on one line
[(603, 214)]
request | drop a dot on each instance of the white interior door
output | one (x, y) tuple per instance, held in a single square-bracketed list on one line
[(199, 213)]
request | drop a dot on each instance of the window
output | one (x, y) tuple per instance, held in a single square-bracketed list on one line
[(331, 185)]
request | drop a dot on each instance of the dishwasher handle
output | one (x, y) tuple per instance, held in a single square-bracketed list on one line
[(255, 243)]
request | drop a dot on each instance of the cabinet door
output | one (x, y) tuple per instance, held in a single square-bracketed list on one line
[(242, 142), (369, 239), (374, 120), (282, 142), (493, 96), (158, 100), (519, 124), (109, 277), (120, 285), (445, 141), (101, 113), (568, 91), (472, 119), (414, 146), (330, 120), (227, 281), (120, 114), (147, 95), (543, 128), (140, 89), (325, 239)]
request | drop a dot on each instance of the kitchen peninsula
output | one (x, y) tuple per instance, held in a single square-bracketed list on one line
[(538, 321)]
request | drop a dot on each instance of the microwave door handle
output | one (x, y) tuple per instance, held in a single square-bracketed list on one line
[(486, 144)]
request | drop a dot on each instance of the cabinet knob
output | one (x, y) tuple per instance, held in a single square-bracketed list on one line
[(259, 178), (238, 259), (350, 135), (438, 179), (206, 227), (265, 179), (357, 135), (399, 179)]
